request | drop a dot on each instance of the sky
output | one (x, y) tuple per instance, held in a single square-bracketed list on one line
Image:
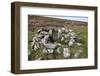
[(76, 18)]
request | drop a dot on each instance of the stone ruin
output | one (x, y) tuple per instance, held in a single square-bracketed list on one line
[(56, 41)]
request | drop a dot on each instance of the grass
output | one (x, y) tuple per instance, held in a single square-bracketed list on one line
[(84, 35)]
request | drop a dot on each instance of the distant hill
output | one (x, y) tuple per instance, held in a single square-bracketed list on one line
[(35, 21)]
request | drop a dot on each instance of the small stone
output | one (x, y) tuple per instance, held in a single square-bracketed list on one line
[(62, 38), (58, 50), (66, 53), (76, 55), (71, 42), (78, 44), (45, 51), (50, 51)]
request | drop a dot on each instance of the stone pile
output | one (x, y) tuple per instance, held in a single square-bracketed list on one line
[(57, 42)]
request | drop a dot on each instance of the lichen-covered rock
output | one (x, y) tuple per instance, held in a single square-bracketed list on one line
[(66, 52)]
